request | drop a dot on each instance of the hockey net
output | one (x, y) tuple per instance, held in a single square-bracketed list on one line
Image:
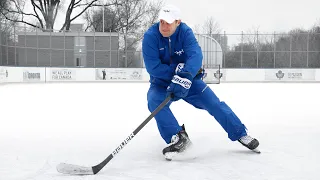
[(212, 74)]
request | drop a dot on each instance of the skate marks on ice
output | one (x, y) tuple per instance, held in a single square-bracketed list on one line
[(187, 154), (195, 149), (34, 170), (245, 150), (203, 147)]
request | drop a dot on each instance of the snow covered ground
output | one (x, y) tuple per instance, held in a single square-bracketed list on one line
[(42, 125)]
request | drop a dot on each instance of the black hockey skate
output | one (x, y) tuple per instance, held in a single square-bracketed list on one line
[(250, 143), (179, 143)]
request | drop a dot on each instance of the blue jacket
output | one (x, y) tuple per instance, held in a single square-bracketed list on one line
[(183, 48)]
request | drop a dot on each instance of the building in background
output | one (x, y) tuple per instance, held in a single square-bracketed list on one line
[(74, 48)]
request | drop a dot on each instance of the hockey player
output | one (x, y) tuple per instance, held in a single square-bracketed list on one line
[(173, 58)]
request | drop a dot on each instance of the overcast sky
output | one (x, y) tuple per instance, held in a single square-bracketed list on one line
[(243, 15)]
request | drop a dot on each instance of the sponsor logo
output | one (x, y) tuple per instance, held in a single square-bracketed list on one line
[(104, 74), (296, 75), (62, 74), (218, 74), (31, 75), (280, 74), (118, 74), (186, 83), (101, 74), (125, 142), (135, 75), (4, 73)]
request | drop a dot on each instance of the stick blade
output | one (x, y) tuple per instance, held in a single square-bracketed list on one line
[(74, 169)]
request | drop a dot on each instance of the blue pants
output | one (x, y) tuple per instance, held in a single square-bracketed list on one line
[(200, 96)]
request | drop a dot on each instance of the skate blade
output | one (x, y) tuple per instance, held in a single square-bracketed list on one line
[(169, 155), (256, 150)]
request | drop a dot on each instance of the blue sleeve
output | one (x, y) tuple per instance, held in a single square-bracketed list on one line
[(194, 54), (151, 58)]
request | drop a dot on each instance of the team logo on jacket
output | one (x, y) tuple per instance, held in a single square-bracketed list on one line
[(179, 52)]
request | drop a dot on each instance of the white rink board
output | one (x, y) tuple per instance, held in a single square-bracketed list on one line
[(56, 74)]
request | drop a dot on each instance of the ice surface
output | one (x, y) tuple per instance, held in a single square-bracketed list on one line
[(42, 125)]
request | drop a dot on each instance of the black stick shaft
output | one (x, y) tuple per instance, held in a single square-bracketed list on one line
[(98, 167)]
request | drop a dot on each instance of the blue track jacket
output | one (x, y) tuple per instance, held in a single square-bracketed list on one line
[(162, 54)]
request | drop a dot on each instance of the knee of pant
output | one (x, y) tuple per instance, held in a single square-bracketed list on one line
[(152, 104), (219, 104), (225, 107)]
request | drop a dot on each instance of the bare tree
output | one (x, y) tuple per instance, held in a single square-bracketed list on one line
[(7, 38), (197, 29), (130, 19), (134, 17), (3, 4), (94, 20), (317, 22), (130, 16), (44, 12), (250, 36), (5, 25), (152, 14), (211, 27)]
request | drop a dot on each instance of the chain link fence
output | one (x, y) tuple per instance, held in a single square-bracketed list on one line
[(21, 46)]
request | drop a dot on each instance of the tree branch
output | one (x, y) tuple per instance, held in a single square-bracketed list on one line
[(37, 15)]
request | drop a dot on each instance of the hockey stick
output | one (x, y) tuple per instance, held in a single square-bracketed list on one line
[(81, 170)]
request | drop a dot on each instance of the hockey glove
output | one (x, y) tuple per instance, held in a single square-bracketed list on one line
[(180, 85)]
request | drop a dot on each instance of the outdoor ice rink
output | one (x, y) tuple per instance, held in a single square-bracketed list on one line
[(42, 125)]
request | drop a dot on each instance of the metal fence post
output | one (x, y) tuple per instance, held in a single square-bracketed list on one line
[(37, 46), (7, 44), (241, 50), (79, 49), (257, 46), (224, 54), (64, 47), (94, 48), (103, 18), (0, 44), (118, 48), (15, 45), (308, 37), (125, 49), (50, 54), (110, 64), (274, 49), (222, 46), (25, 43)]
